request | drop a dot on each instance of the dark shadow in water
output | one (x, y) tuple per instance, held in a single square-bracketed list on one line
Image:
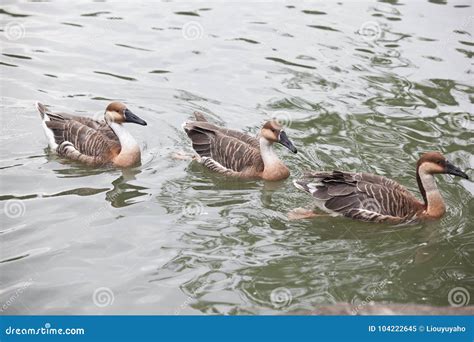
[(75, 169), (78, 192), (95, 14), (216, 181), (15, 15), (123, 192), (14, 258), (200, 189)]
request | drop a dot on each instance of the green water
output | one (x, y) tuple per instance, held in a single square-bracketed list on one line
[(362, 86)]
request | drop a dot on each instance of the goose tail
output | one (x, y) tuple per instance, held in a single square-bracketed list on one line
[(301, 184), (41, 109), (200, 116), (44, 119)]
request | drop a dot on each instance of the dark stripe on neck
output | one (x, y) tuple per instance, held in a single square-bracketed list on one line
[(420, 185)]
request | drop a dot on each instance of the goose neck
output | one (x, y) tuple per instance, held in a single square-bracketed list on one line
[(434, 202)]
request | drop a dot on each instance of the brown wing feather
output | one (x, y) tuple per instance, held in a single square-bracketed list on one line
[(232, 149), (235, 154), (100, 126), (84, 139), (361, 196), (248, 139)]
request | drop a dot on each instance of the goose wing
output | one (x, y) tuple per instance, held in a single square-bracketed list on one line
[(230, 149), (361, 196), (94, 142), (100, 126)]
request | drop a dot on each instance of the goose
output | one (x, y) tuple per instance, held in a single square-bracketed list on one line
[(236, 154), (369, 197), (95, 143)]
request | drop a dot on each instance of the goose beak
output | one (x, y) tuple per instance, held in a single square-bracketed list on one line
[(283, 139), (454, 170), (130, 117)]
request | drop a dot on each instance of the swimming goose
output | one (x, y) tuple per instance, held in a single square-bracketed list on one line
[(368, 197), (237, 154), (95, 143)]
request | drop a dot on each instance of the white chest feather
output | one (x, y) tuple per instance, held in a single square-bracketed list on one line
[(128, 143), (428, 181), (269, 156)]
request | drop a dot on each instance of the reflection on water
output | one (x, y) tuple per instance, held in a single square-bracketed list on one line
[(361, 87)]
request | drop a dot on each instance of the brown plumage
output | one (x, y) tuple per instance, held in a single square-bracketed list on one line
[(369, 197), (237, 154), (92, 142)]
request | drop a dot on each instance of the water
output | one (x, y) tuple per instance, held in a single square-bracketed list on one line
[(363, 86)]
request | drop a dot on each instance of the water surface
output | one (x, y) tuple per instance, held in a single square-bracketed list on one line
[(362, 86)]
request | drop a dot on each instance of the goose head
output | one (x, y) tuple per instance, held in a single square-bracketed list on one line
[(435, 163), (273, 132), (119, 113)]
